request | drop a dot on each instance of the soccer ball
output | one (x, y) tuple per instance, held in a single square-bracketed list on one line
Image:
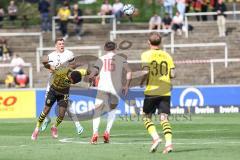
[(128, 9)]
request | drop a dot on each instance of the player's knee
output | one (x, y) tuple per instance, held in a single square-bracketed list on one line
[(163, 117), (147, 115), (46, 110)]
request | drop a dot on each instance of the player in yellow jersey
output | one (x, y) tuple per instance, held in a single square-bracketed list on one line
[(159, 67), (60, 82)]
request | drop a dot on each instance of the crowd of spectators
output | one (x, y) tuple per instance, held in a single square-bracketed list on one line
[(176, 22), (16, 77), (64, 13), (115, 9), (155, 22), (12, 11)]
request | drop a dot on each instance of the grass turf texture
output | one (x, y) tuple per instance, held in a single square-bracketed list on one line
[(207, 137)]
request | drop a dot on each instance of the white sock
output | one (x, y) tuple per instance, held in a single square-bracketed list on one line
[(47, 118), (74, 118), (96, 122), (168, 143), (110, 119), (155, 136), (77, 124)]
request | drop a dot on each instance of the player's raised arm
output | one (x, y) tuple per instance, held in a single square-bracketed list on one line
[(45, 62), (128, 78)]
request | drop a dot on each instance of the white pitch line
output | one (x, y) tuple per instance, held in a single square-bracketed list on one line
[(23, 145), (186, 131), (71, 140)]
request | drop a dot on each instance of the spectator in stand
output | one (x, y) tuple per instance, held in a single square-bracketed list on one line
[(168, 6), (21, 80), (78, 22), (43, 7), (177, 23), (1, 16), (64, 13), (6, 50), (17, 63), (197, 7), (155, 22), (167, 21), (221, 18), (188, 5), (106, 9), (12, 11), (1, 49), (9, 80), (117, 10), (181, 6), (204, 9), (213, 5)]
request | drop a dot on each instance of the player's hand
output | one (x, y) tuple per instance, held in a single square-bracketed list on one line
[(125, 90), (45, 60)]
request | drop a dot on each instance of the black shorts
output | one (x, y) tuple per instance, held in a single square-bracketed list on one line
[(53, 96), (151, 103)]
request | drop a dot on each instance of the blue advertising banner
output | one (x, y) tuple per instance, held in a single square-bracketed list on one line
[(197, 99)]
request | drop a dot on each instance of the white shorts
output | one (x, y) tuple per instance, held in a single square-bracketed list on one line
[(104, 98)]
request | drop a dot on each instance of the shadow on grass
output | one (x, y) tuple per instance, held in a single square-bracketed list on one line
[(191, 150)]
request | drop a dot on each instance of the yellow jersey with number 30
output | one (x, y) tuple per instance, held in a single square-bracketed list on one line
[(159, 63)]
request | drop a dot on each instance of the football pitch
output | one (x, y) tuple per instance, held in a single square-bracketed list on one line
[(199, 137)]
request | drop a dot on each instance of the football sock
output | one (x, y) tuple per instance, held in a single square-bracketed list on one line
[(41, 119), (110, 119), (151, 128), (167, 131), (77, 124), (47, 118), (58, 121), (96, 122), (74, 118)]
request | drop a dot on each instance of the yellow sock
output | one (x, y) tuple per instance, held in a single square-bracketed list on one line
[(167, 130), (41, 119), (58, 121), (151, 128)]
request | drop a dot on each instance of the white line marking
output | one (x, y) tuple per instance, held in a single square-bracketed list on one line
[(186, 131), (23, 145), (71, 140)]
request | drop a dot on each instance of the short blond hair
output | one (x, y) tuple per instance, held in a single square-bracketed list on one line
[(155, 38)]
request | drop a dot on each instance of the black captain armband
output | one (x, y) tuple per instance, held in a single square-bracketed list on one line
[(71, 60), (47, 65)]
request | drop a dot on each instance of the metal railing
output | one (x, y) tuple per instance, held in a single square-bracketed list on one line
[(201, 45), (114, 33), (30, 72), (114, 24), (39, 52), (39, 34), (210, 61), (204, 14)]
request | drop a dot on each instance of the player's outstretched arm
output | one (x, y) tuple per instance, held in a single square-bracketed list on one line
[(45, 62), (128, 78), (145, 73)]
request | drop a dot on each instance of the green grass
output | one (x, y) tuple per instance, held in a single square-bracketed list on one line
[(204, 137)]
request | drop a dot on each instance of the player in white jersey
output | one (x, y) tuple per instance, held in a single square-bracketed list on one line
[(56, 58), (109, 68)]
